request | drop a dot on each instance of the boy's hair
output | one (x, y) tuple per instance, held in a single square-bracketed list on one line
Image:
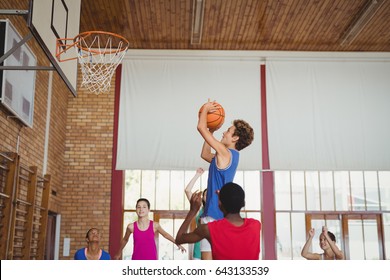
[(332, 237), (143, 199), (232, 198), (245, 133)]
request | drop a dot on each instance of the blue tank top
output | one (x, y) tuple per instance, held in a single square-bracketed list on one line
[(217, 178)]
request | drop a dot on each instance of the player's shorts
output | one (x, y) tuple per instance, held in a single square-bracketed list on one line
[(205, 245)]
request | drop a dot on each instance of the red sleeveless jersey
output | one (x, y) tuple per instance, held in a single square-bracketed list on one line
[(230, 242)]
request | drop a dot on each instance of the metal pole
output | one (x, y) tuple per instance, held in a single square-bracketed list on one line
[(49, 68), (14, 12)]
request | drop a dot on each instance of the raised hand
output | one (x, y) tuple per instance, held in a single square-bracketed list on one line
[(196, 201), (200, 171), (182, 249), (324, 230)]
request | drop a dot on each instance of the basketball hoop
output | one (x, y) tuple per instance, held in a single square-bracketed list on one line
[(99, 54)]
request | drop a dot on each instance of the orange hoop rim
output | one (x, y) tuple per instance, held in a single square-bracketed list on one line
[(86, 34), (62, 46)]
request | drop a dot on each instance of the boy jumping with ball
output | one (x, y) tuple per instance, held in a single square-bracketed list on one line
[(223, 163)]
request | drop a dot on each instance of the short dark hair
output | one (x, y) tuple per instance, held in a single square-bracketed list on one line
[(332, 237), (143, 199), (244, 132), (232, 198)]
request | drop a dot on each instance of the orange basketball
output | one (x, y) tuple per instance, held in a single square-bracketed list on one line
[(215, 119)]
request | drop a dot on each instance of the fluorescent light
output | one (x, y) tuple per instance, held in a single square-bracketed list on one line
[(361, 21), (197, 21)]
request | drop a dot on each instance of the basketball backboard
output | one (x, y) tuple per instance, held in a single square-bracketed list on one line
[(50, 20)]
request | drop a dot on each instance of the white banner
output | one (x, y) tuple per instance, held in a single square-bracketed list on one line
[(328, 114), (159, 104)]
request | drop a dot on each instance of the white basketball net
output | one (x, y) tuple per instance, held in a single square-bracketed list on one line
[(98, 60)]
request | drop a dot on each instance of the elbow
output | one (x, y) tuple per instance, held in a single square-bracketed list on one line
[(205, 158), (178, 240), (202, 128)]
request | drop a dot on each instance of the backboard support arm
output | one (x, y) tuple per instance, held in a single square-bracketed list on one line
[(13, 49), (14, 12)]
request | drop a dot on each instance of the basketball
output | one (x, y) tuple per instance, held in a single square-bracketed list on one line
[(215, 119)]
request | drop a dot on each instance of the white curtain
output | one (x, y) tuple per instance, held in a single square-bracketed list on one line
[(159, 103), (328, 114)]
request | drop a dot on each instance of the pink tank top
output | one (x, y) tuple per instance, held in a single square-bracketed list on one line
[(144, 243)]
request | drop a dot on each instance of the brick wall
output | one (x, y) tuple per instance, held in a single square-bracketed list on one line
[(31, 141), (87, 173)]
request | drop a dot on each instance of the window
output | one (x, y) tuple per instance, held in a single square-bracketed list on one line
[(328, 198)]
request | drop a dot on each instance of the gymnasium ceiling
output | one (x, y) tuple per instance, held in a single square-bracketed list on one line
[(285, 25)]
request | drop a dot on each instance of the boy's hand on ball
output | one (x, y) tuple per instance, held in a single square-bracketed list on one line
[(215, 115), (210, 107)]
